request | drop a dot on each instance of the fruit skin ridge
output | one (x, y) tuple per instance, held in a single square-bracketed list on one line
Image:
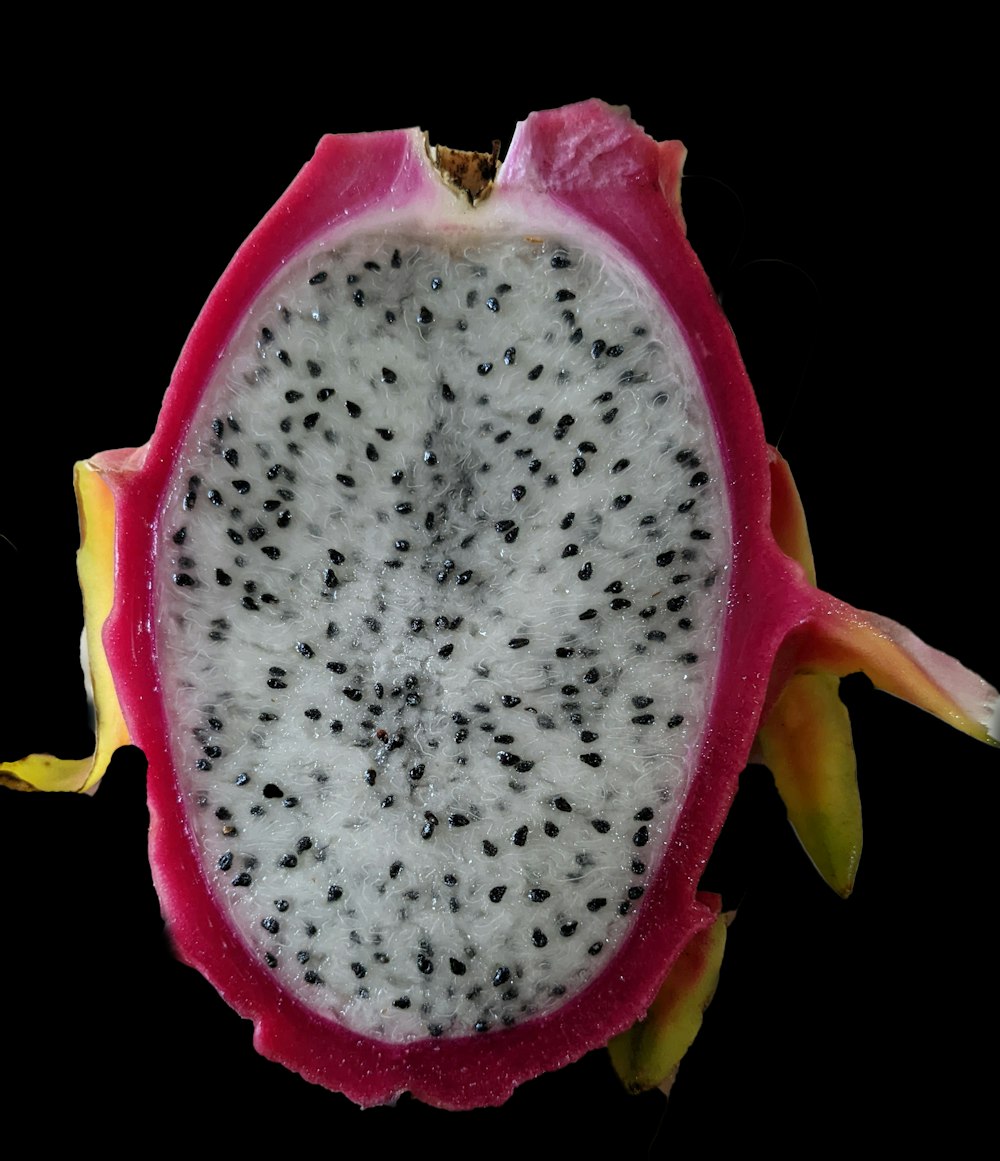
[(766, 571)]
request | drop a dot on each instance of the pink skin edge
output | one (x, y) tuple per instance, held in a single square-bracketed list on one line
[(553, 155)]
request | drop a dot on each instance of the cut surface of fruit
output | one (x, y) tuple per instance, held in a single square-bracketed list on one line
[(437, 653), (446, 608)]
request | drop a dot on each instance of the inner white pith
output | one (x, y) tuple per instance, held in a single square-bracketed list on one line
[(441, 580)]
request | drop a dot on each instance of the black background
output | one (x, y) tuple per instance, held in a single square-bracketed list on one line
[(843, 220)]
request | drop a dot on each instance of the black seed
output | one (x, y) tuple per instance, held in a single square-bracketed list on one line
[(347, 481), (518, 642), (567, 929), (457, 820), (700, 534), (424, 316), (182, 579), (643, 719), (424, 964), (509, 700), (538, 894), (578, 465), (518, 492), (596, 904), (609, 416), (588, 736), (570, 550), (520, 836), (353, 694), (591, 759), (675, 604), (588, 614), (656, 635), (586, 572), (497, 893), (288, 861), (242, 880), (551, 830), (600, 825), (387, 801), (620, 502), (403, 1002), (641, 836), (561, 804)]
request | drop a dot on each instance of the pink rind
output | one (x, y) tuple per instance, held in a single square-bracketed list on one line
[(348, 178)]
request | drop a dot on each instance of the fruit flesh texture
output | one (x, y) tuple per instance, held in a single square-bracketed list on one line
[(906, 723), (430, 792)]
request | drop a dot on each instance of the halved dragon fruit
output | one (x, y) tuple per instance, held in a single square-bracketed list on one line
[(447, 604)]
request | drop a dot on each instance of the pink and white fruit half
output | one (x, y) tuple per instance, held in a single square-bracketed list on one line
[(449, 598)]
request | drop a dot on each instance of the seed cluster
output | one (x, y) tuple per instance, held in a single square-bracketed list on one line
[(441, 581)]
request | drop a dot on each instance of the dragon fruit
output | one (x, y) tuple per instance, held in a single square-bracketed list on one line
[(441, 1057)]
